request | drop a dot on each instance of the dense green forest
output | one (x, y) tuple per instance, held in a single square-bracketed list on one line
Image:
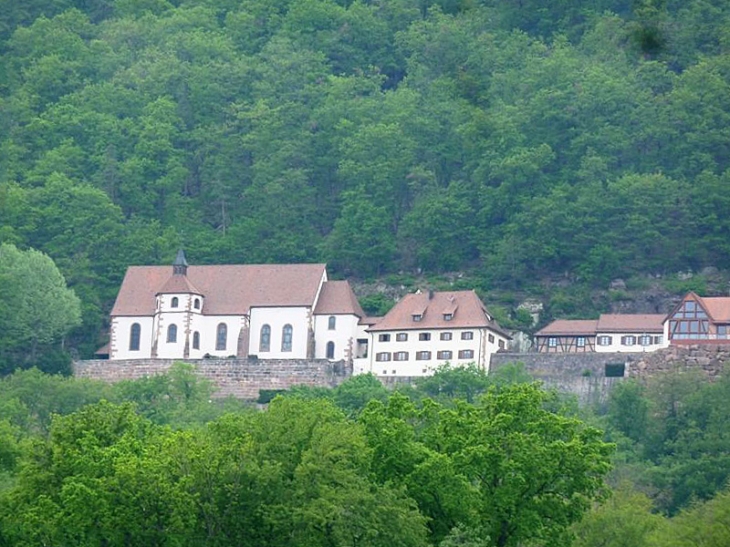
[(459, 459), (511, 139)]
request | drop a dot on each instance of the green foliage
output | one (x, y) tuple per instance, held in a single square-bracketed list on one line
[(376, 305), (624, 520), (36, 308), (678, 284), (506, 466), (178, 397), (702, 524)]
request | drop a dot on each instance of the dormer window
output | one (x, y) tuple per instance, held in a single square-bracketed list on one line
[(417, 317), (448, 316)]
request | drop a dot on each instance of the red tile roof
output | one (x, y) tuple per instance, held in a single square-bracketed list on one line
[(648, 322), (178, 284), (226, 290), (337, 297), (466, 307), (568, 327), (718, 307)]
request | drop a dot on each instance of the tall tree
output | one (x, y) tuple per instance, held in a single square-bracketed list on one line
[(36, 309)]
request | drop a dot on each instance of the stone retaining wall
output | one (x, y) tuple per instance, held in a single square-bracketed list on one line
[(241, 378), (584, 374)]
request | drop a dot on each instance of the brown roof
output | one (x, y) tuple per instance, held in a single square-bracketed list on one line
[(647, 322), (718, 307), (466, 307), (568, 327), (337, 297), (178, 284), (370, 320), (228, 290)]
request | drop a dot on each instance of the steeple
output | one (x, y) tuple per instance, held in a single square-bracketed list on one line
[(180, 266)]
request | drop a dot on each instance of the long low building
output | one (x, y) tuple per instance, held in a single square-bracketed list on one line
[(609, 333)]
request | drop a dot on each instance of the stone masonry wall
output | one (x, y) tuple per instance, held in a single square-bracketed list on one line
[(584, 374), (241, 378)]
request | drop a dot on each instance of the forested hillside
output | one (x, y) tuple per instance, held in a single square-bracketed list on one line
[(516, 139)]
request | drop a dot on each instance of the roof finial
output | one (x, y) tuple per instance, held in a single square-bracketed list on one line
[(180, 266)]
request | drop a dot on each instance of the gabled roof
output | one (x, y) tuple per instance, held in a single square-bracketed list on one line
[(569, 327), (647, 322), (228, 290), (336, 298), (717, 307), (465, 306)]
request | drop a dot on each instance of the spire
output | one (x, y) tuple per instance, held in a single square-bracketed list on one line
[(180, 266)]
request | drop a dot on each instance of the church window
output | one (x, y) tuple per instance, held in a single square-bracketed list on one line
[(330, 350), (196, 304), (134, 335), (172, 334), (286, 338), (196, 340), (331, 322), (174, 303), (221, 335), (265, 339)]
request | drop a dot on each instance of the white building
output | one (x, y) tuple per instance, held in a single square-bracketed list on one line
[(271, 311), (610, 333), (425, 330)]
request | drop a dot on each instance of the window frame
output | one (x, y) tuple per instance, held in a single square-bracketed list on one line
[(287, 338), (424, 336), (446, 336), (171, 333), (196, 340), (265, 338), (221, 336), (467, 335), (401, 337), (423, 356), (135, 335), (175, 302), (400, 356), (466, 354), (331, 322)]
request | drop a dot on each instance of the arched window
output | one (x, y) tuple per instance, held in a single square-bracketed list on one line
[(196, 304), (331, 322), (220, 339), (172, 334), (286, 336), (330, 350), (134, 333), (265, 339), (174, 302), (196, 340)]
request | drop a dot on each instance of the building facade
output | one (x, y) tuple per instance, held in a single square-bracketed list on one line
[(610, 333), (426, 330), (272, 311), (699, 319)]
